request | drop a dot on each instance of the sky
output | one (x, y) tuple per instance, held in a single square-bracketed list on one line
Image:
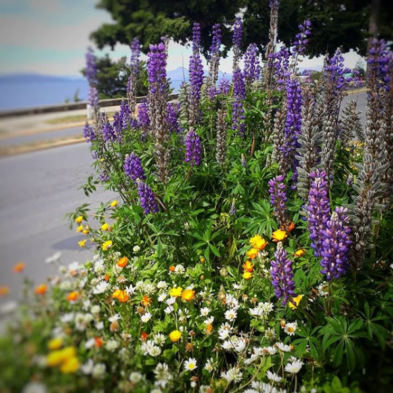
[(51, 37)]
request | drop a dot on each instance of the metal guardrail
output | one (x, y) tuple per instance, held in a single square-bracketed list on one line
[(69, 107)]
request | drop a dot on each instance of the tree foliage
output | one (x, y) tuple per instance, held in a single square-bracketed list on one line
[(335, 24), (112, 77)]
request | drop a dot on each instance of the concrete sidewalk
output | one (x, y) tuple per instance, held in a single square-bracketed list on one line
[(18, 126)]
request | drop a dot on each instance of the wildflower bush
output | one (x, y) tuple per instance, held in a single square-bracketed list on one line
[(250, 248)]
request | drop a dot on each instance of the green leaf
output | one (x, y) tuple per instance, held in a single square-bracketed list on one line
[(338, 354)]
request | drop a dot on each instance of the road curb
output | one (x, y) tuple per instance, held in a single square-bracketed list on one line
[(43, 145)]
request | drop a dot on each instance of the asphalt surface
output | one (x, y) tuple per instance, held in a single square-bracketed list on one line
[(44, 136), (37, 190)]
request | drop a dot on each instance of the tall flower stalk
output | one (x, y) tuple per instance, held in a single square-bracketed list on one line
[(132, 80), (336, 245), (221, 146), (318, 209), (156, 69), (278, 198), (237, 38), (282, 275), (193, 148), (309, 141), (214, 61), (196, 74), (252, 68)]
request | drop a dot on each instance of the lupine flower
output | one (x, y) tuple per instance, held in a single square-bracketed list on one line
[(91, 76), (132, 80), (214, 62), (223, 87), (146, 198), (318, 209), (278, 199), (280, 63), (193, 148), (252, 68), (221, 145), (88, 133), (335, 245), (173, 125), (302, 38), (195, 72), (121, 121), (107, 128), (133, 167), (156, 68), (282, 275), (237, 42)]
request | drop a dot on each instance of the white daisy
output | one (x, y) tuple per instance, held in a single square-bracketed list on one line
[(230, 315), (190, 364), (290, 328), (205, 311), (294, 367), (273, 377), (114, 318), (100, 288), (146, 317)]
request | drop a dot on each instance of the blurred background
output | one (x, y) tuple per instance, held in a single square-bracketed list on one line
[(43, 94)]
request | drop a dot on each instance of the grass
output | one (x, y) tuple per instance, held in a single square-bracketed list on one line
[(73, 119)]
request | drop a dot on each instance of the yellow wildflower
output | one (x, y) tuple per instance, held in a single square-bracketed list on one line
[(55, 343), (114, 203), (258, 242), (79, 219), (279, 235), (55, 358), (70, 365), (80, 228), (175, 336), (107, 245), (82, 243), (104, 227), (176, 292), (297, 300), (300, 252), (247, 275)]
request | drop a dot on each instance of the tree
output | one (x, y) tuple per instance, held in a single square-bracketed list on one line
[(342, 23), (112, 77)]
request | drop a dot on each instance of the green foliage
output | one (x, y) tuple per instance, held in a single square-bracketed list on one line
[(112, 77), (335, 24)]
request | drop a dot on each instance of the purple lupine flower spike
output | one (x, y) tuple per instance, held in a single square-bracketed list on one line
[(146, 198), (193, 148), (318, 209), (133, 167), (195, 73), (132, 80), (107, 128), (91, 76), (237, 42), (172, 118), (282, 275), (336, 245), (302, 38), (88, 133), (278, 199), (251, 64)]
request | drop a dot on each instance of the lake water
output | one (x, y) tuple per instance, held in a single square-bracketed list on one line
[(15, 94)]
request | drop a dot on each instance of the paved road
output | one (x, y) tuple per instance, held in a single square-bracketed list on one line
[(45, 136), (37, 190)]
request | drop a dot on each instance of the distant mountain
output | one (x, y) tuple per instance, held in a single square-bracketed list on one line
[(313, 68), (38, 78), (180, 74)]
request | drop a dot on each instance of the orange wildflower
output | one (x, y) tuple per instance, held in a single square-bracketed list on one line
[(248, 266), (41, 289), (106, 277), (4, 291), (120, 295), (172, 268), (144, 336), (19, 267), (72, 296), (289, 226), (122, 262), (253, 253), (209, 329), (98, 342), (146, 301), (188, 295)]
